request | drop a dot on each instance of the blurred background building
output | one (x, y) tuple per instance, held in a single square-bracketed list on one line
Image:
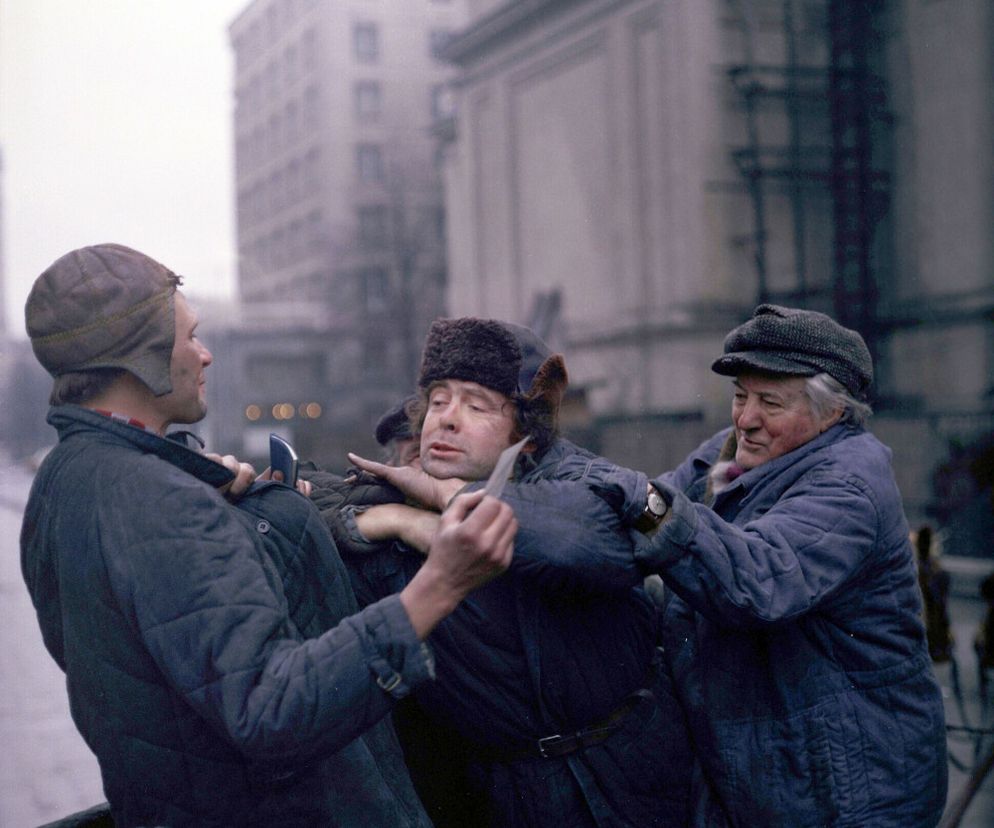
[(628, 177), (655, 168), (340, 222)]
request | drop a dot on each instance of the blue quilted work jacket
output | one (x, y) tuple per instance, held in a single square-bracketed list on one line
[(215, 658), (797, 640), (553, 646)]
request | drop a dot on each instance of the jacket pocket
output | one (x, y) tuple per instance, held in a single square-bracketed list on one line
[(805, 769)]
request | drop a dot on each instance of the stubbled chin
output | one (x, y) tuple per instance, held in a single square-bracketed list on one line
[(747, 459)]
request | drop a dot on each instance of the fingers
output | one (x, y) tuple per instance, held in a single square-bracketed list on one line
[(462, 505), (379, 469), (243, 472), (304, 487)]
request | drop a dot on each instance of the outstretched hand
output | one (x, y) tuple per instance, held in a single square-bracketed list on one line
[(413, 482)]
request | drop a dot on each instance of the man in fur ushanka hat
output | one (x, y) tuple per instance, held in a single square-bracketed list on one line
[(548, 676)]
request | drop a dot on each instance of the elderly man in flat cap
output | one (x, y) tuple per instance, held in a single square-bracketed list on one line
[(215, 684), (795, 619)]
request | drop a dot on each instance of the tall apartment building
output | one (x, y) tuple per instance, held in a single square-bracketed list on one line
[(662, 166), (339, 201)]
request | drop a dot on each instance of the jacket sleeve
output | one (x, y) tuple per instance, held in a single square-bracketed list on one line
[(569, 539), (209, 607), (772, 569)]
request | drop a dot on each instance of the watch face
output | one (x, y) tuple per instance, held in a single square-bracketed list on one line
[(656, 504)]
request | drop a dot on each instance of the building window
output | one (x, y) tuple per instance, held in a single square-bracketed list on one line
[(312, 164), (308, 48), (366, 42), (373, 288), (441, 101), (315, 232), (374, 356), (369, 160), (291, 119), (290, 65), (312, 104), (438, 39), (372, 226), (367, 100)]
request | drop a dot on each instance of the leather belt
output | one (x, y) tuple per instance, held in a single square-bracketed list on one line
[(558, 744)]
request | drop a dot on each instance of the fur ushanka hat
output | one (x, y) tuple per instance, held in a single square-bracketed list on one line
[(501, 356)]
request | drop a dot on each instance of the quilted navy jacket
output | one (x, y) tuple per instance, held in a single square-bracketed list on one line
[(182, 623), (799, 649), (552, 646)]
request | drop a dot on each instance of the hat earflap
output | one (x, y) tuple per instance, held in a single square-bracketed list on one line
[(549, 385)]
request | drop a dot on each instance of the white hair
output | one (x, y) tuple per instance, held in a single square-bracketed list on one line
[(826, 394)]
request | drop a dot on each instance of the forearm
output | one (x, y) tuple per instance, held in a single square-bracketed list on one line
[(396, 521), (427, 599), (782, 563)]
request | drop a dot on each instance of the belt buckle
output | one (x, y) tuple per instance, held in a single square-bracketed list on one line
[(547, 742)]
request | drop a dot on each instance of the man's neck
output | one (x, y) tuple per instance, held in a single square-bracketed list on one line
[(131, 399)]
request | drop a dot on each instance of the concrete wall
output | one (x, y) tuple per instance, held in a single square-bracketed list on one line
[(594, 154)]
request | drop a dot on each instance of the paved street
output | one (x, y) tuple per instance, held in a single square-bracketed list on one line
[(46, 771)]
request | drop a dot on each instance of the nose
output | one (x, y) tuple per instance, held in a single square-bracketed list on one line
[(748, 416), (206, 357), (448, 417)]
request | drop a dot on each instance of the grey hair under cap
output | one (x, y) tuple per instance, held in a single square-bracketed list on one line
[(105, 306), (797, 342)]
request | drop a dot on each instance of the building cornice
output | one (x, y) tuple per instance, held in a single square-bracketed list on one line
[(500, 25)]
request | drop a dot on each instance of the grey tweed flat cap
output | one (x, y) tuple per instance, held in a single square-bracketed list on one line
[(797, 342)]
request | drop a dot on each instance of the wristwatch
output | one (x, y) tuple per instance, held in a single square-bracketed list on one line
[(655, 510)]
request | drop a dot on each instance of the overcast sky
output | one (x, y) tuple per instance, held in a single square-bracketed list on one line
[(115, 126)]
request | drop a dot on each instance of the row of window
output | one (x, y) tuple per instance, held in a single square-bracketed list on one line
[(284, 187), (281, 72), (299, 239), (268, 27), (299, 179), (299, 117), (299, 57), (425, 225), (366, 41), (281, 130)]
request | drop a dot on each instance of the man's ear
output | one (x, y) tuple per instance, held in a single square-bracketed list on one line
[(549, 385), (832, 419)]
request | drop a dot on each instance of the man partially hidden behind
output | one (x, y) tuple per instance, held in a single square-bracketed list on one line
[(550, 673), (215, 658)]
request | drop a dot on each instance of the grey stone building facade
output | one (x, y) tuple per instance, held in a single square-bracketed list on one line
[(338, 196), (662, 166)]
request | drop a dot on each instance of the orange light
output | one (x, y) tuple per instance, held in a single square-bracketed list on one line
[(253, 412), (313, 410)]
